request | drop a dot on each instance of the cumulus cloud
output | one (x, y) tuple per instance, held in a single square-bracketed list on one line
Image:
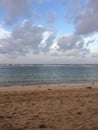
[(83, 14), (36, 39), (29, 38), (90, 42), (14, 9), (25, 39), (48, 40), (69, 42), (87, 22), (73, 8), (86, 18), (94, 55), (72, 45), (4, 33)]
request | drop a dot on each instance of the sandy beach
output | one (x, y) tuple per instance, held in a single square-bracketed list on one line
[(49, 107)]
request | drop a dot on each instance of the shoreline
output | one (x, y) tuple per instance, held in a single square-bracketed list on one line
[(53, 86)]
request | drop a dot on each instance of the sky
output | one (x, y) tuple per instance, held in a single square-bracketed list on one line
[(49, 32)]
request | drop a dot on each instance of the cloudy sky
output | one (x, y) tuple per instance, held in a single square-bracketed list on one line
[(48, 31)]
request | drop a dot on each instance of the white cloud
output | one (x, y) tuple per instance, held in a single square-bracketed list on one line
[(93, 44), (27, 38), (4, 33)]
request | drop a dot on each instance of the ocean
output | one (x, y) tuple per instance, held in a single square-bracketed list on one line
[(47, 74)]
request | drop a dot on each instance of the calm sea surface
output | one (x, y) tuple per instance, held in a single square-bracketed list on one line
[(47, 74)]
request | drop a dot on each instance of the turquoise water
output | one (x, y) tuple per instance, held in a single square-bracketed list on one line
[(47, 74)]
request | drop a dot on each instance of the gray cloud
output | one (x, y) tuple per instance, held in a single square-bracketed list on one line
[(14, 9), (29, 38), (36, 39), (87, 20), (83, 14), (26, 39), (73, 8), (72, 45), (90, 42), (69, 42), (95, 55)]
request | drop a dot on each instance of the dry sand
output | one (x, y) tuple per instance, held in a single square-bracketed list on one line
[(52, 107)]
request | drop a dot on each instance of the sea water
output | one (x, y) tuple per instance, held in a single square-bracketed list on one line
[(47, 74)]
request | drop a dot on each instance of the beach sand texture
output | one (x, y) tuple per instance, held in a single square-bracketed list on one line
[(49, 108)]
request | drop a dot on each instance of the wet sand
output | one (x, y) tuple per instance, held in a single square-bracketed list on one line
[(49, 107)]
